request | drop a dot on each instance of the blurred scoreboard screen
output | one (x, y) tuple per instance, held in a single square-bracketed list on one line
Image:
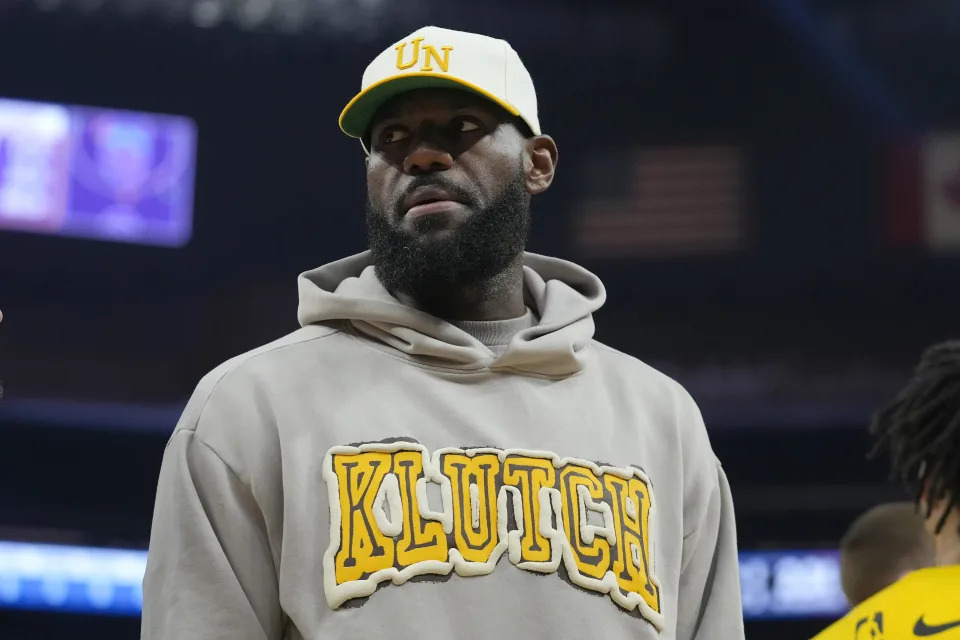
[(96, 173), (791, 584)]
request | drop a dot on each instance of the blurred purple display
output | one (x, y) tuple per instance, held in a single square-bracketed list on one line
[(96, 173)]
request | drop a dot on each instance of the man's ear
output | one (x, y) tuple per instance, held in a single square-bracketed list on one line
[(540, 164)]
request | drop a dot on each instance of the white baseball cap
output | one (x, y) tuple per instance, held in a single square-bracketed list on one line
[(432, 57)]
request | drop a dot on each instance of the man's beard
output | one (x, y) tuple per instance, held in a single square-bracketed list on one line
[(428, 268)]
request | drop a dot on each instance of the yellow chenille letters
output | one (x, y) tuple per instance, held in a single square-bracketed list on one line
[(430, 56), (529, 475), (474, 483), (544, 509), (591, 554), (420, 539), (367, 549), (631, 515)]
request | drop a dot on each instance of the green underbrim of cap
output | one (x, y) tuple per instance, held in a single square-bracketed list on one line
[(358, 113)]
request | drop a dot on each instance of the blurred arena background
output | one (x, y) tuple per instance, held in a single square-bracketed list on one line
[(770, 191)]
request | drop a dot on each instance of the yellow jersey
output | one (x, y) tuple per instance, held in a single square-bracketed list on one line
[(922, 604)]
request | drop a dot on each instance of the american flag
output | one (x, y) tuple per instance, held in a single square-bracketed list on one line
[(676, 201)]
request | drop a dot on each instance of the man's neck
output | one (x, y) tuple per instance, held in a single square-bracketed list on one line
[(946, 544), (498, 298)]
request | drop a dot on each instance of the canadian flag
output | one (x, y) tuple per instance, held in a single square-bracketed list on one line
[(923, 193)]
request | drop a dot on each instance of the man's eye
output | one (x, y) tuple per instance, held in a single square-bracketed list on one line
[(394, 134), (466, 125)]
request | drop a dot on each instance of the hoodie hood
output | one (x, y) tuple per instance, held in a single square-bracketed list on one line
[(561, 294)]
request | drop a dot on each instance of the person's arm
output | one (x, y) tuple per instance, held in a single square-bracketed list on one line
[(709, 600), (210, 571)]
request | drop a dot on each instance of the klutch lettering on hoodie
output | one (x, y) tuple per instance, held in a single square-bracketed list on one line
[(542, 510)]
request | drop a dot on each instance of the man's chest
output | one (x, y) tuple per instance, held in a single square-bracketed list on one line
[(461, 490)]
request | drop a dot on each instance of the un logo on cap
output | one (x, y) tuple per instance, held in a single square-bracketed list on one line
[(429, 53)]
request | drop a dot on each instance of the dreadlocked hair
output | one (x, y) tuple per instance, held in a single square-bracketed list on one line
[(921, 430)]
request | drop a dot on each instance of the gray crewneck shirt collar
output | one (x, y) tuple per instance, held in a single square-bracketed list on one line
[(496, 334)]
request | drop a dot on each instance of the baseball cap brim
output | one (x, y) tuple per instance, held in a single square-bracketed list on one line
[(358, 113)]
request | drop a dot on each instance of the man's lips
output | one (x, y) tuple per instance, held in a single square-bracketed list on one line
[(429, 200), (434, 207)]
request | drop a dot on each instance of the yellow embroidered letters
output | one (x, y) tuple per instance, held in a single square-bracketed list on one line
[(430, 56), (540, 509)]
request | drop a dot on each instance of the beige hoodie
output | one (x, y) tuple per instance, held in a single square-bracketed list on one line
[(383, 472)]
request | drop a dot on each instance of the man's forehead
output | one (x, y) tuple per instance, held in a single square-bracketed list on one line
[(431, 100)]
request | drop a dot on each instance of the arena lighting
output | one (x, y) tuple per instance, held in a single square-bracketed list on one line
[(71, 579), (42, 577), (248, 15), (252, 13), (48, 5), (207, 13)]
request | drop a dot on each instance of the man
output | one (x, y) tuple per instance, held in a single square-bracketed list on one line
[(921, 430), (442, 451), (880, 547)]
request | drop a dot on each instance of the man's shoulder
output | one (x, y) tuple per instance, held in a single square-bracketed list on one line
[(668, 406), (240, 376), (642, 377), (265, 356)]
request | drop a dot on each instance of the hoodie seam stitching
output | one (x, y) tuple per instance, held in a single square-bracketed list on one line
[(236, 367), (713, 490), (249, 488), (610, 349)]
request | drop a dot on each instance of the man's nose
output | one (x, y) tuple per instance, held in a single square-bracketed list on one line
[(426, 155)]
